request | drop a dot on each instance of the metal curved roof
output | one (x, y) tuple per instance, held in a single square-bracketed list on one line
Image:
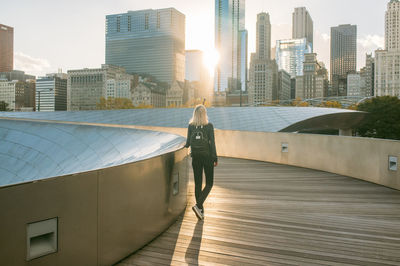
[(268, 119), (37, 150)]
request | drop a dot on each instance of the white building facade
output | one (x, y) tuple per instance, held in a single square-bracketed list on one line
[(8, 93), (355, 85), (387, 62)]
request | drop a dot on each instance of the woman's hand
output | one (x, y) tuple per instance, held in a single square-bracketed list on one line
[(215, 164)]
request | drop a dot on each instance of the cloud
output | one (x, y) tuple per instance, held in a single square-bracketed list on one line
[(324, 36), (371, 41), (31, 65)]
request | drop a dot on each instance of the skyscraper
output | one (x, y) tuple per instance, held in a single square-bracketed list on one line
[(263, 36), (148, 42), (263, 80), (387, 62), (6, 48), (392, 26), (367, 74), (290, 55), (230, 35), (343, 56), (302, 25)]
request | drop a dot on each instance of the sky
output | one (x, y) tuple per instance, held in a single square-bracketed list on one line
[(49, 34)]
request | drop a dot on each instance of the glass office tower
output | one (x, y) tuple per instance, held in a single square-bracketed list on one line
[(148, 42), (343, 56), (230, 36), (290, 55), (51, 93)]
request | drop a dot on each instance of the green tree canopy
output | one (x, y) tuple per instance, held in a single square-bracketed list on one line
[(383, 120), (4, 106), (114, 103)]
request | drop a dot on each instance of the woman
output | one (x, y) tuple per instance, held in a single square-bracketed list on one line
[(200, 138)]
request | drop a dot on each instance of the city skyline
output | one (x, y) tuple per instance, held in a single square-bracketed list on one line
[(38, 52)]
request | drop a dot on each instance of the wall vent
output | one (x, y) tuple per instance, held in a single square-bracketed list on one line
[(41, 238), (392, 163), (285, 147)]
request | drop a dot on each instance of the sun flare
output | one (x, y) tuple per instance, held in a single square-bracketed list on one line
[(210, 60)]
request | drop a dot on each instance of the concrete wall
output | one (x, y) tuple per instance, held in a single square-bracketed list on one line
[(103, 215), (362, 158)]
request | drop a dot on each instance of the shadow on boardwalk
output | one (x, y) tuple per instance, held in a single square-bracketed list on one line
[(268, 214)]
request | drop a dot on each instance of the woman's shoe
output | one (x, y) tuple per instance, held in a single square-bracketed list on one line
[(198, 212)]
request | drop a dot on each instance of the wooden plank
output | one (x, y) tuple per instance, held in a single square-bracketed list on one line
[(267, 214)]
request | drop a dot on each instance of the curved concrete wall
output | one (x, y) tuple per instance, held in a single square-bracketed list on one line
[(103, 215), (362, 158)]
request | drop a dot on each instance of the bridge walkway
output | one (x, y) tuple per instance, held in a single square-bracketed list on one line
[(268, 214)]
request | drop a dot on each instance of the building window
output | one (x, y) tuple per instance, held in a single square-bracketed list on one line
[(118, 24), (158, 20), (146, 21), (129, 23)]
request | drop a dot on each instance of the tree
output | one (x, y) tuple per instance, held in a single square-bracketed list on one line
[(4, 106), (114, 103), (383, 120), (331, 104), (299, 102)]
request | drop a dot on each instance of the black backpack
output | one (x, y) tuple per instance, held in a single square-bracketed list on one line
[(199, 142)]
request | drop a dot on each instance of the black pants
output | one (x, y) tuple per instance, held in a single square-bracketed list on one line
[(199, 163)]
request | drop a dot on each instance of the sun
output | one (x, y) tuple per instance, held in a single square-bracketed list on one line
[(210, 60)]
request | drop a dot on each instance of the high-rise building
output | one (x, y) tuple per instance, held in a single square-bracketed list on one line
[(51, 92), (6, 48), (302, 25), (230, 37), (343, 56), (86, 86), (367, 74), (284, 84), (387, 62), (392, 26), (263, 81), (313, 83), (263, 36), (355, 84), (290, 55), (263, 76), (387, 72), (243, 60), (148, 42)]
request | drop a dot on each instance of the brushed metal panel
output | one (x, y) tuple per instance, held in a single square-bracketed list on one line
[(37, 150), (266, 119), (136, 203)]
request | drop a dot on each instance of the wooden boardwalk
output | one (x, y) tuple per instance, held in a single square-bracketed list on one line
[(268, 214)]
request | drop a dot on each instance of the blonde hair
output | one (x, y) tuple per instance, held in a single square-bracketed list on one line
[(199, 117)]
